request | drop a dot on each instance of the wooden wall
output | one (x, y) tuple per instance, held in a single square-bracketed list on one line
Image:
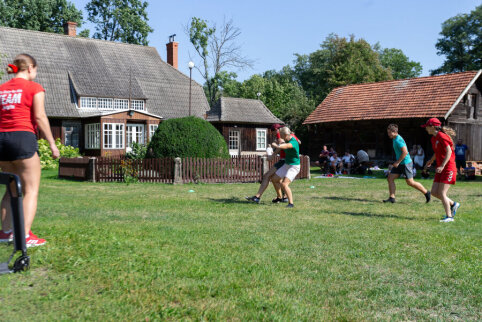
[(247, 133)]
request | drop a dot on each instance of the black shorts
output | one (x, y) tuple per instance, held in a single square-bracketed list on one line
[(17, 145), (460, 164), (405, 169), (279, 164)]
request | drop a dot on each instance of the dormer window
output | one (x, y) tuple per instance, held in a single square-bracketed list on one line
[(103, 103)]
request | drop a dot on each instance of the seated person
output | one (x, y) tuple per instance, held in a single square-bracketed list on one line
[(361, 162), (469, 171), (347, 162), (323, 158), (335, 164)]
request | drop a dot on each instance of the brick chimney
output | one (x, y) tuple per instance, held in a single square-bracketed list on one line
[(172, 51), (70, 28)]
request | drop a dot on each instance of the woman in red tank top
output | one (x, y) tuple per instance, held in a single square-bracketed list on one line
[(22, 111), (446, 171)]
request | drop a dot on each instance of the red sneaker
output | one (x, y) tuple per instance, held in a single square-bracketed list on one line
[(4, 237), (32, 234), (34, 241)]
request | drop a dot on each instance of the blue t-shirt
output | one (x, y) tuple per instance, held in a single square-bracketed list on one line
[(460, 151), (398, 144)]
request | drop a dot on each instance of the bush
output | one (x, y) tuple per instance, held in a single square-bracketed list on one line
[(138, 151), (187, 137), (46, 160)]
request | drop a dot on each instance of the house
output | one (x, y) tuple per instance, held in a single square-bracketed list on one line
[(244, 123), (101, 96), (356, 116)]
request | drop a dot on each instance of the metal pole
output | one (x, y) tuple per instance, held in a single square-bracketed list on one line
[(190, 83)]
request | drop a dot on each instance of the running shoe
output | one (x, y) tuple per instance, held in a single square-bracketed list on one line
[(454, 208), (33, 241), (253, 199), (5, 238), (428, 196), (391, 200), (447, 219), (277, 200), (285, 199), (290, 205)]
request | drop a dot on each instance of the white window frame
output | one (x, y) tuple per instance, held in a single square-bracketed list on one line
[(121, 104), (138, 136), (114, 136), (259, 139), (88, 102), (234, 138), (92, 136), (138, 105), (105, 103), (152, 130)]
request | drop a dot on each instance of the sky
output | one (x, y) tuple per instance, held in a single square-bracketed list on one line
[(273, 31)]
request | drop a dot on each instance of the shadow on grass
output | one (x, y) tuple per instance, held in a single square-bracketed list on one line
[(368, 214), (349, 199), (233, 200)]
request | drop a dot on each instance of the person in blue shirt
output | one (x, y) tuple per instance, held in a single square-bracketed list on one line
[(460, 153), (403, 165)]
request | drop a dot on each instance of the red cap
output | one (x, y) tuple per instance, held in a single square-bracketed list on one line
[(432, 122), (276, 126)]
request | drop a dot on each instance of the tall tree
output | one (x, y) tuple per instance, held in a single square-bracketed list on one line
[(400, 65), (461, 43), (218, 51), (339, 62), (41, 15), (120, 20)]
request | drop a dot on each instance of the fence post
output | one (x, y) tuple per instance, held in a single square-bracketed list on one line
[(264, 165), (91, 170), (177, 171), (308, 175)]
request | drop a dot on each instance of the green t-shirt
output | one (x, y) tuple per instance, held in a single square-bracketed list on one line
[(293, 154), (398, 144)]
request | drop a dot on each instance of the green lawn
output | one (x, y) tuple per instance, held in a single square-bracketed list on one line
[(160, 252)]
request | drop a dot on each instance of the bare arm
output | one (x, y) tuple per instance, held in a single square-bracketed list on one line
[(402, 156), (43, 122), (446, 159), (283, 146)]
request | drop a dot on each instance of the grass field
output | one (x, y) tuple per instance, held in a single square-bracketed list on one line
[(159, 252)]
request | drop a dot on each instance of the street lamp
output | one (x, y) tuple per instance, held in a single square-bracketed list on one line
[(191, 66), (258, 94)]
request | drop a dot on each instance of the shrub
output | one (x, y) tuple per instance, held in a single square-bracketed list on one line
[(46, 160), (138, 151), (187, 137)]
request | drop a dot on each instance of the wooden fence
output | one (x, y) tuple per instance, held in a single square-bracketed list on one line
[(244, 168)]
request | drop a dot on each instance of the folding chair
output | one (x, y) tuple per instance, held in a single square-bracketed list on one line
[(22, 262)]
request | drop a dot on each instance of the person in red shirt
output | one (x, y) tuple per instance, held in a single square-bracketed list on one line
[(22, 111), (446, 171)]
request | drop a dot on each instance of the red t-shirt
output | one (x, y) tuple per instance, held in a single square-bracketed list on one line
[(282, 153), (439, 144), (16, 105)]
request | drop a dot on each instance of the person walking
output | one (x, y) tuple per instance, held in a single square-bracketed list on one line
[(446, 172), (22, 111), (403, 165)]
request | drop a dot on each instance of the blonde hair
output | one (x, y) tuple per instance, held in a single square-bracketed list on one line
[(285, 130), (447, 130), (22, 62)]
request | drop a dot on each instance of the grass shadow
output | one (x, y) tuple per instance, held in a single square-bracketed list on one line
[(368, 214), (348, 199), (232, 200)]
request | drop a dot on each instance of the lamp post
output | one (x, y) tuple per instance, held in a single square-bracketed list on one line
[(191, 66), (258, 94)]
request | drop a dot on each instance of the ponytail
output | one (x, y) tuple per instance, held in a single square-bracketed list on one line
[(21, 63), (447, 130)]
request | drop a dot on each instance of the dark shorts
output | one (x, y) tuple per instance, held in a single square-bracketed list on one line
[(279, 164), (460, 164), (405, 169), (17, 145)]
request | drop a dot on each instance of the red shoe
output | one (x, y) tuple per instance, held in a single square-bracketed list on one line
[(5, 238), (34, 241), (32, 234)]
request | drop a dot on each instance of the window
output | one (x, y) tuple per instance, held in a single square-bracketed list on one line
[(71, 134), (113, 136), (120, 104), (152, 130), (233, 140), (137, 105), (135, 133), (471, 106), (261, 139), (88, 102), (105, 103), (92, 136)]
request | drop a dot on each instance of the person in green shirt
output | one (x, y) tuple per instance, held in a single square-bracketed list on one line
[(288, 172), (403, 165)]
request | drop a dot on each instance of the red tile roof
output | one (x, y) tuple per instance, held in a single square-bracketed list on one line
[(431, 96)]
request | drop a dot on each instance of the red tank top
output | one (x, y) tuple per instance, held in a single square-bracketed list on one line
[(16, 105)]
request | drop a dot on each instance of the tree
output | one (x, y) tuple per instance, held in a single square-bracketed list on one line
[(339, 62), (461, 43), (399, 64), (41, 15), (217, 49), (120, 20)]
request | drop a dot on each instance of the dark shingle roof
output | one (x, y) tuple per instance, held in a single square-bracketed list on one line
[(431, 96), (241, 110), (71, 66)]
